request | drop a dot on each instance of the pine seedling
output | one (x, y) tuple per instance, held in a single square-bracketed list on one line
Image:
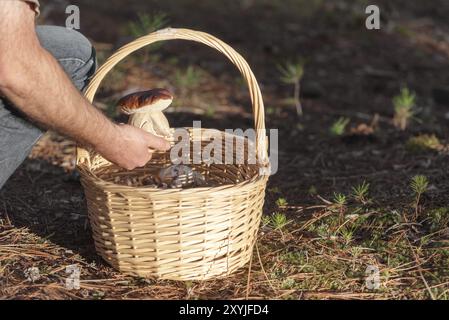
[(340, 202), (347, 235), (281, 202), (360, 192), (340, 199), (404, 108), (419, 186), (279, 221), (147, 23), (188, 80), (266, 220), (338, 127), (274, 190), (292, 74)]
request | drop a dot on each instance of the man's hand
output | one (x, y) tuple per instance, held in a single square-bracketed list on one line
[(131, 147), (36, 84)]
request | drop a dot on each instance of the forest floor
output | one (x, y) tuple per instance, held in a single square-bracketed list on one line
[(342, 202)]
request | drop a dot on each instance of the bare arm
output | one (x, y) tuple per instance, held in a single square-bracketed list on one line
[(36, 84)]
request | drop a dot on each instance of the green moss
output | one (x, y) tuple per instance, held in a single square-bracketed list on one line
[(423, 143)]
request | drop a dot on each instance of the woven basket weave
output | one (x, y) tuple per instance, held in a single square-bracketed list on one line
[(178, 234)]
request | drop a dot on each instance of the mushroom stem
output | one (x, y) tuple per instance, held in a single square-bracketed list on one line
[(141, 120), (153, 122), (160, 124)]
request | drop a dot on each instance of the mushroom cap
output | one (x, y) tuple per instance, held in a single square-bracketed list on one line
[(146, 101)]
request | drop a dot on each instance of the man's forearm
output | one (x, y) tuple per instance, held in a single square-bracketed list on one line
[(34, 82), (53, 101)]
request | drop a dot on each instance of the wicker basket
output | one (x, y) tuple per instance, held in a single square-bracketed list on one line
[(178, 234)]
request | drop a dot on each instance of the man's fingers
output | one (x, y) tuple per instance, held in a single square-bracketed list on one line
[(157, 143)]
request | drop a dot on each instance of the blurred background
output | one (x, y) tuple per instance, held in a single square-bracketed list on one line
[(346, 100)]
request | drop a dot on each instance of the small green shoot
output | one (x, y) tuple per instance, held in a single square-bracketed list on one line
[(356, 252), (404, 108), (188, 79), (438, 218), (292, 74), (279, 221), (340, 199), (340, 203), (347, 235), (312, 191), (266, 220), (147, 23), (271, 111), (275, 190), (419, 186), (210, 112), (338, 127), (281, 202), (288, 283), (360, 192)]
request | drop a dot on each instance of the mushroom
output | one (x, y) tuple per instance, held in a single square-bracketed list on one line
[(179, 176), (175, 176), (145, 110)]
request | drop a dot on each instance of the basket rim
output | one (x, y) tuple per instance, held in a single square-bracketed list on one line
[(106, 185), (87, 172)]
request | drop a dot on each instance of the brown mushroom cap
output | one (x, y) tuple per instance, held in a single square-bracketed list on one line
[(146, 101)]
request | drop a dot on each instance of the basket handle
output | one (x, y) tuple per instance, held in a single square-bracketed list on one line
[(201, 37)]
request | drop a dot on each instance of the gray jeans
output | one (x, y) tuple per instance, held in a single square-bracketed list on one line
[(18, 135)]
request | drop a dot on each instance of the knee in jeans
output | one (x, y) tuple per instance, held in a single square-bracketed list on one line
[(64, 43), (72, 49), (82, 48)]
